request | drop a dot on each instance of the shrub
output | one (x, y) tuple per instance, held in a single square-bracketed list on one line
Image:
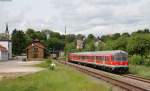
[(136, 59), (147, 62)]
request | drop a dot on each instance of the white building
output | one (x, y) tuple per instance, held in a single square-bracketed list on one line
[(79, 44), (5, 45), (8, 45), (3, 53)]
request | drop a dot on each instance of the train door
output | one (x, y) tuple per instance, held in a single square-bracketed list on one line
[(103, 60)]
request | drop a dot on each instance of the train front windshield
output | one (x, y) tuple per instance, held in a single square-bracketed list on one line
[(121, 57)]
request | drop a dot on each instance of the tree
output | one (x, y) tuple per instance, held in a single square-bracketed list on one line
[(146, 30), (125, 35), (90, 43), (70, 47), (31, 33), (120, 43), (55, 44), (70, 38), (115, 36), (139, 44), (80, 36), (18, 42)]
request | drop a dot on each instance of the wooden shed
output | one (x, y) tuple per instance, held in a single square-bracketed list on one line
[(35, 50)]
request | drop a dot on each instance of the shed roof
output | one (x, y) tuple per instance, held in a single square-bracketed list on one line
[(35, 42)]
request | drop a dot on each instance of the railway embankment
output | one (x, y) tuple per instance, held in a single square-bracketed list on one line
[(126, 83), (140, 70)]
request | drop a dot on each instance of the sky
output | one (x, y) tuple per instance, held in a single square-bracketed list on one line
[(96, 17)]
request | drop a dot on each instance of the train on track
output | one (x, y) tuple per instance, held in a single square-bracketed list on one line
[(114, 61)]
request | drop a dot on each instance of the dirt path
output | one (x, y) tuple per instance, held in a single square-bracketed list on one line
[(15, 68)]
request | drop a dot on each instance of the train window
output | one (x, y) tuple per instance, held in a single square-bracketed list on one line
[(121, 58), (99, 58), (91, 57), (124, 58), (106, 58), (85, 57)]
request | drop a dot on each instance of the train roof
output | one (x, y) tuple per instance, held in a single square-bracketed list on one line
[(113, 52)]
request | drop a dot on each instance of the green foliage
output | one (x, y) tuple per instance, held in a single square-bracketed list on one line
[(55, 44), (70, 47), (140, 70), (136, 59), (147, 61), (70, 38), (120, 43), (31, 33), (139, 44), (90, 43), (18, 42)]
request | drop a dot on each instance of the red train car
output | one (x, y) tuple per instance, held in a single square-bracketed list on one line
[(116, 60)]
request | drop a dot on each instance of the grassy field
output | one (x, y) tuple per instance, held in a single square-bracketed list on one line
[(63, 78), (140, 70)]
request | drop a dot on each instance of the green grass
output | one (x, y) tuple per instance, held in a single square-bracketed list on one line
[(44, 64), (140, 70), (63, 78)]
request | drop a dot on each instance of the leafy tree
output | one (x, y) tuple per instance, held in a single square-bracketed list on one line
[(31, 33), (80, 36), (55, 44), (90, 43), (70, 38), (120, 43), (70, 47), (115, 36), (18, 42), (146, 30), (139, 44), (55, 35), (125, 35)]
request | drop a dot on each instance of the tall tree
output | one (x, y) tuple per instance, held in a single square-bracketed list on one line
[(18, 42)]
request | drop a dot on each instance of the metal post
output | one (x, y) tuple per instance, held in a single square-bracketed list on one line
[(65, 46)]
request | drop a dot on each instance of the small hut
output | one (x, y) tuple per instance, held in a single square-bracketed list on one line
[(35, 50)]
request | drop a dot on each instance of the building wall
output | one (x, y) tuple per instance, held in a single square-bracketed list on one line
[(3, 55), (35, 52), (79, 44), (8, 46)]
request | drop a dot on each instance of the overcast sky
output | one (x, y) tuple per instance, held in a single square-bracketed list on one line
[(79, 16)]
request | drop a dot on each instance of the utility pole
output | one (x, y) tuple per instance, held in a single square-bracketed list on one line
[(65, 46)]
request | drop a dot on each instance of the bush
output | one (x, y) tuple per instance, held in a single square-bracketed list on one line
[(147, 62), (136, 59)]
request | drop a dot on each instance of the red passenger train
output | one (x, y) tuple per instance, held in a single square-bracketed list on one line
[(116, 60)]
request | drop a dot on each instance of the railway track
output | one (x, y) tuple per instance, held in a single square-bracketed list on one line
[(109, 78), (139, 78)]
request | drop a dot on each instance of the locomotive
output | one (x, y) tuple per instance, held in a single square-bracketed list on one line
[(114, 61)]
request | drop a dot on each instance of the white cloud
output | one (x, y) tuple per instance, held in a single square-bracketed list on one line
[(80, 16)]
